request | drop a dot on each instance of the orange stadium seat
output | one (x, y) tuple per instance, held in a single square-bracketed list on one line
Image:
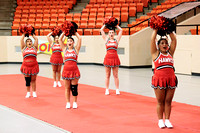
[(91, 25), (45, 25), (124, 17), (132, 11), (14, 33), (87, 31), (96, 32), (38, 25), (83, 25)]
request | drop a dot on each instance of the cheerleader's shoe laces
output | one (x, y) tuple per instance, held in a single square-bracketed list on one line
[(168, 124), (54, 84), (34, 94), (161, 124), (75, 106), (28, 94), (59, 84), (68, 105), (107, 92)]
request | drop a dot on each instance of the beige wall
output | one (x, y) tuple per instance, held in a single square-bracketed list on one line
[(140, 48), (137, 51), (95, 50), (3, 49)]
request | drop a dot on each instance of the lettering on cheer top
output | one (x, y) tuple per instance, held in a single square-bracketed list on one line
[(31, 50), (70, 55), (165, 60)]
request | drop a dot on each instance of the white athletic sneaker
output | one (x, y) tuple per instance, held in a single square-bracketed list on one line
[(54, 84), (168, 124), (68, 105), (34, 94), (28, 94), (117, 92), (107, 92), (161, 123), (75, 105), (59, 84)]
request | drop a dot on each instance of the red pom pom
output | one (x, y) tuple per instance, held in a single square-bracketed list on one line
[(110, 22), (158, 22), (69, 28), (27, 29), (56, 31)]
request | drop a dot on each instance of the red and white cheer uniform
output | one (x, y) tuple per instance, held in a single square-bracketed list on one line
[(29, 65), (111, 59), (164, 76), (56, 57), (70, 70)]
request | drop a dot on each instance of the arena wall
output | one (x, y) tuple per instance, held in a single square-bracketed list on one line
[(136, 51)]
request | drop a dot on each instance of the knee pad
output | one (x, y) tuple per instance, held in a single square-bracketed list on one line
[(74, 89), (28, 81)]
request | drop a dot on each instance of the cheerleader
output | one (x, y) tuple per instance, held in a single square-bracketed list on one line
[(30, 67), (71, 73), (111, 59), (164, 80), (56, 59)]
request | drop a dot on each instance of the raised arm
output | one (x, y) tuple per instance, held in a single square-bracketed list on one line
[(153, 44), (61, 42), (173, 43), (78, 46), (36, 41), (119, 34), (22, 41), (103, 33), (49, 38)]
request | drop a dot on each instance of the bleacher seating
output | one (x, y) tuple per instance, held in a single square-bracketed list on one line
[(45, 14), (41, 14)]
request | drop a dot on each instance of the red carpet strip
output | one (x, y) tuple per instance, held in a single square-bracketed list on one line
[(96, 113)]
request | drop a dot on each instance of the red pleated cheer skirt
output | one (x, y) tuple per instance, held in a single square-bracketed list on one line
[(111, 60), (56, 59), (70, 72), (30, 68), (164, 80)]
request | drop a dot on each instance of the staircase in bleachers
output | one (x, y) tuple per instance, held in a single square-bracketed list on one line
[(7, 9)]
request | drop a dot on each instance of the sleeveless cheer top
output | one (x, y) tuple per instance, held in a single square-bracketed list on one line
[(111, 46), (56, 48), (29, 53), (70, 56), (163, 61)]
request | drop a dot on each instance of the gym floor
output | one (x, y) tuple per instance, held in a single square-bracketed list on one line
[(137, 81)]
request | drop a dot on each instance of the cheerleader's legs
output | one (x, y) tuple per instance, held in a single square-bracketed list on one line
[(27, 87), (168, 100), (55, 68), (160, 96), (59, 72), (74, 82), (115, 75), (107, 81), (33, 84), (67, 89)]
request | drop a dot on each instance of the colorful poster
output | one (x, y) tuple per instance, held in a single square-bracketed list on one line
[(45, 48)]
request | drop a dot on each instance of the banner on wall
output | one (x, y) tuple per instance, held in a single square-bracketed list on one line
[(45, 48)]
